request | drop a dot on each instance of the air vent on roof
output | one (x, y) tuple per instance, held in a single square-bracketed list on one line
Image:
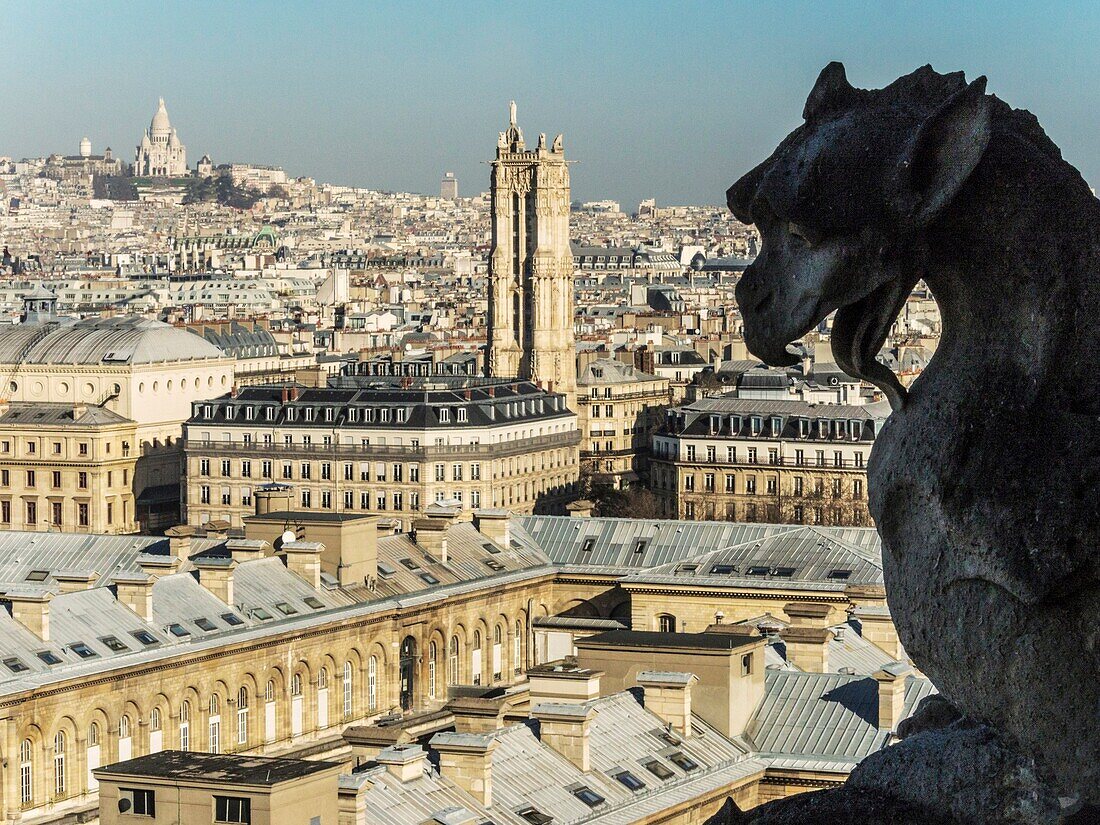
[(839, 574)]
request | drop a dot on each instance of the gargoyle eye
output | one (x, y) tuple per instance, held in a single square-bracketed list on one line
[(798, 232)]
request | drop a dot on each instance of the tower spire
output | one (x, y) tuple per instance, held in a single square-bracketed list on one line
[(511, 113)]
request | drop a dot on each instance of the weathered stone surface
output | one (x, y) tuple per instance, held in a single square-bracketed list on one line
[(933, 712), (984, 482)]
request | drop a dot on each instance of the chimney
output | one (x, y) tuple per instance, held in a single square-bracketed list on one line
[(406, 762), (246, 549), (581, 508), (496, 525), (136, 592), (70, 582), (32, 610), (79, 410), (303, 558), (565, 729), (431, 535), (562, 682), (216, 575), (877, 627), (891, 693), (157, 566), (272, 498), (668, 695), (467, 760), (808, 636), (179, 540)]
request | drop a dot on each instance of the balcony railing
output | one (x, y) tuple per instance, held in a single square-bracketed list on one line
[(366, 452), (779, 461)]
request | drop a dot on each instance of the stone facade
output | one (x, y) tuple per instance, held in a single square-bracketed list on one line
[(67, 467), (778, 462), (618, 410), (531, 264)]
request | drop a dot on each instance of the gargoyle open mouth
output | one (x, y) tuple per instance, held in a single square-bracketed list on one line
[(859, 330)]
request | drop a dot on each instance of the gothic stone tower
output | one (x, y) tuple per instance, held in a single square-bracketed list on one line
[(531, 265)]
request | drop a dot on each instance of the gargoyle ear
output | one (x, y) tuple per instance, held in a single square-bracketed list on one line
[(945, 150), (831, 90)]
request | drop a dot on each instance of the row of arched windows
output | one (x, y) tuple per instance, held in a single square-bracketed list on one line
[(252, 722)]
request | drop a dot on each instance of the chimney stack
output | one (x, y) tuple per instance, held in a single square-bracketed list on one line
[(179, 540), (563, 682), (565, 728), (582, 508), (303, 558), (496, 525), (808, 636), (70, 582), (246, 549), (467, 760), (216, 576), (32, 610), (891, 694), (431, 535), (406, 762), (668, 695), (136, 592), (877, 627)]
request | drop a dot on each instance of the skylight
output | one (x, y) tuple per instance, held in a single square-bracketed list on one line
[(232, 619), (588, 796), (285, 608), (490, 547), (658, 769), (178, 630), (682, 761), (204, 623), (15, 665), (429, 578), (839, 574), (409, 563), (37, 575), (758, 570), (113, 644), (82, 650), (630, 780), (49, 657), (145, 637), (314, 602), (261, 614), (722, 569)]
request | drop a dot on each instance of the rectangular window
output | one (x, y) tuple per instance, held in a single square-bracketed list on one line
[(56, 480), (225, 468), (246, 468), (137, 802), (82, 481), (233, 809)]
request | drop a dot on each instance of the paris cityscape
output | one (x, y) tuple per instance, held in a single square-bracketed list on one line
[(499, 500)]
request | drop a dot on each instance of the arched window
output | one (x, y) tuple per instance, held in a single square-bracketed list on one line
[(93, 734), (452, 665), (59, 764), (185, 726), (498, 653), (154, 719), (26, 772), (296, 684), (666, 623), (475, 665), (269, 691), (372, 683), (214, 729), (432, 654), (517, 649), (322, 679), (242, 716), (124, 727), (349, 681)]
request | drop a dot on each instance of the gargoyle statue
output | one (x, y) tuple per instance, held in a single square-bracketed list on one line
[(985, 481)]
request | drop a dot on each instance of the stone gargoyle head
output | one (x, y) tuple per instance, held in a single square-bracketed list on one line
[(841, 205)]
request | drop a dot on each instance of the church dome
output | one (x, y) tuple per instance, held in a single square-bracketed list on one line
[(173, 140), (160, 122)]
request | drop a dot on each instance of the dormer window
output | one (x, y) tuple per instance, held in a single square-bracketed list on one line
[(291, 414), (208, 411), (803, 427), (402, 415), (353, 414), (249, 413), (330, 414), (777, 425), (461, 415), (230, 413), (822, 428), (855, 430), (310, 413), (756, 424), (270, 413), (385, 415)]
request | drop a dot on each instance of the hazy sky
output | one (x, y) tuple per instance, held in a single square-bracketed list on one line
[(665, 100)]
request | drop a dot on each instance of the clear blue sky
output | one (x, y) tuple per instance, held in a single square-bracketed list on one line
[(665, 100)]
